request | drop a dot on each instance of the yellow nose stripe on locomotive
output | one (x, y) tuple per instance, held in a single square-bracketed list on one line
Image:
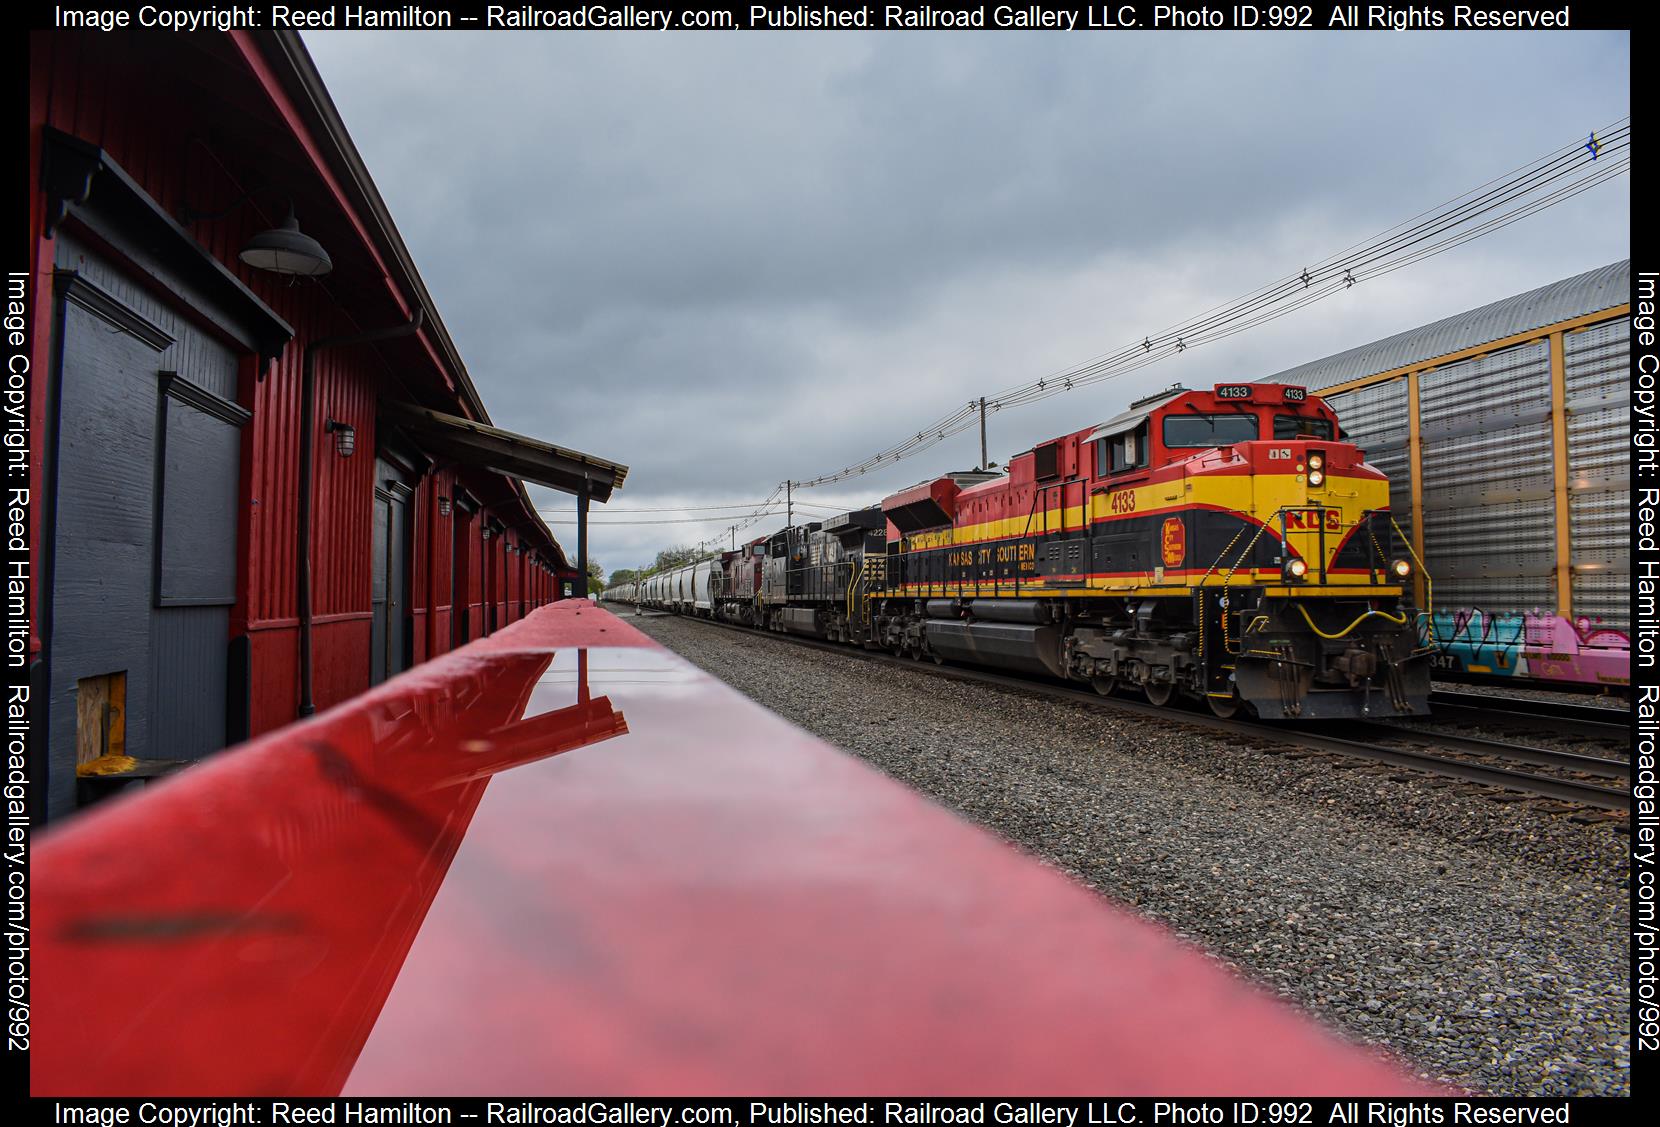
[(1260, 496)]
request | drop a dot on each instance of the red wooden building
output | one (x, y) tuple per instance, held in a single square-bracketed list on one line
[(261, 479)]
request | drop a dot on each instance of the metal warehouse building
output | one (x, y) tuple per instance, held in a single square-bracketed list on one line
[(263, 479), (1504, 431)]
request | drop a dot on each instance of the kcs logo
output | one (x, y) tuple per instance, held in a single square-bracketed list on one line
[(1309, 520), (1173, 542)]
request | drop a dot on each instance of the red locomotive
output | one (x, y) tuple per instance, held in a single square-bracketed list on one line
[(1225, 545)]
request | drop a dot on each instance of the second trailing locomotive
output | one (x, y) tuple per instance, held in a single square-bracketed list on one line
[(1225, 545)]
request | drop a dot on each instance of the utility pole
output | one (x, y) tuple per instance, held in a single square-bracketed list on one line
[(985, 465), (581, 591), (734, 538), (789, 503)]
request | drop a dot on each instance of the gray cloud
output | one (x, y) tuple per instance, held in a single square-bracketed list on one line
[(727, 260)]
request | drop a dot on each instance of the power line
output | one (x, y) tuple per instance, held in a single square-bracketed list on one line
[(1406, 233), (761, 510), (1491, 206), (1405, 243), (730, 532), (660, 520), (736, 506)]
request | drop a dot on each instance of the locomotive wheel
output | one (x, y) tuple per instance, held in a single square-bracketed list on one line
[(1159, 692), (1106, 686), (1226, 707)]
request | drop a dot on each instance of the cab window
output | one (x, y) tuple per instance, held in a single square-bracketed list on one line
[(1122, 452), (1208, 430), (1302, 426)]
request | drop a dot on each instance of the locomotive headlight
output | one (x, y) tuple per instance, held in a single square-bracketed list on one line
[(1315, 477), (1401, 568), (1316, 461), (1294, 570)]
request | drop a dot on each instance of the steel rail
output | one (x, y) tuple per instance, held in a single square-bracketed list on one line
[(1520, 753), (1541, 715), (1546, 786), (1526, 782)]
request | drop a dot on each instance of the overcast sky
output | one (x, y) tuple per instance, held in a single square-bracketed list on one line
[(731, 259)]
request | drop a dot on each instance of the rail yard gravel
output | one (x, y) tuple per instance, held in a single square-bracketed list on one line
[(1483, 942)]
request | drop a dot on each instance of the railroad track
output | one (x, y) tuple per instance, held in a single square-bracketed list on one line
[(1582, 781), (1563, 718), (1568, 761)]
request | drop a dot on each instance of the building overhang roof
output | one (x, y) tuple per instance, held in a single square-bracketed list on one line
[(504, 452)]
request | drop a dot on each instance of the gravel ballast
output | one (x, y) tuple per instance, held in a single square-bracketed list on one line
[(1484, 942)]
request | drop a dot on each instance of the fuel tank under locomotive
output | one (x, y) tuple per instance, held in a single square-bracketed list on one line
[(1007, 633)]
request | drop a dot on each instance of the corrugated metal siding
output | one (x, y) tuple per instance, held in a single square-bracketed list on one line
[(343, 506), (1484, 423), (1488, 480), (487, 579), (1585, 293), (494, 619), (443, 565), (1489, 524), (274, 482), (340, 507), (342, 660), (420, 563), (515, 586), (498, 579), (1375, 420), (1596, 363), (424, 595), (474, 546)]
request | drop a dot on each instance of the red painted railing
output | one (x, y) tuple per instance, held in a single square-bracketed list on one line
[(562, 860)]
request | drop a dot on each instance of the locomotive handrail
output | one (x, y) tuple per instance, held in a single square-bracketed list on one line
[(1429, 582), (1028, 531), (1381, 555), (1227, 582), (1211, 570)]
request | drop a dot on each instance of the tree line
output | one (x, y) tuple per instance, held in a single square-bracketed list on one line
[(667, 560)]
